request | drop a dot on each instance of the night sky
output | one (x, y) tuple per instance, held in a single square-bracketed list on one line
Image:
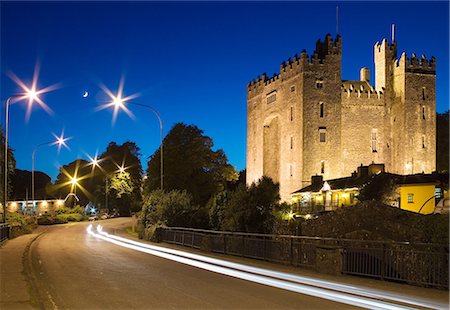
[(191, 61)]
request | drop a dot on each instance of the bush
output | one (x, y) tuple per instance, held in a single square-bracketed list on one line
[(172, 208), (76, 209), (71, 217), (22, 224), (16, 219), (46, 219)]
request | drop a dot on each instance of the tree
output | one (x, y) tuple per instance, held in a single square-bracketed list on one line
[(174, 209), (74, 177), (252, 209), (120, 184), (114, 158), (190, 164), (380, 188), (442, 133), (21, 183), (11, 166)]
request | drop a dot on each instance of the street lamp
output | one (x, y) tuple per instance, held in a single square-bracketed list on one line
[(60, 141), (31, 95), (95, 163), (120, 103)]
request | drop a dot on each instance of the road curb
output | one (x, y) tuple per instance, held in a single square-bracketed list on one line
[(37, 298)]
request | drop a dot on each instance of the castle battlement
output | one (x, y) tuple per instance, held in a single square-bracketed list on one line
[(360, 90), (414, 64), (328, 46)]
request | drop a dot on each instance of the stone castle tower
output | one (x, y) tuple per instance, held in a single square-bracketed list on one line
[(307, 121)]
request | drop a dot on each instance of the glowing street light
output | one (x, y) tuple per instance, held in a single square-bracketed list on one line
[(60, 141), (119, 103), (94, 161), (32, 95)]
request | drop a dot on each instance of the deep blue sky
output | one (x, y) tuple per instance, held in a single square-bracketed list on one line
[(190, 60)]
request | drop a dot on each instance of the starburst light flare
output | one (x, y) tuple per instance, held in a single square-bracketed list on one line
[(61, 141), (31, 93), (118, 101)]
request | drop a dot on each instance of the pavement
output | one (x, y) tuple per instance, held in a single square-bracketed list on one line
[(14, 287), (16, 292)]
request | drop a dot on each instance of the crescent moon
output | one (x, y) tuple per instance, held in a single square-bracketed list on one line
[(85, 94)]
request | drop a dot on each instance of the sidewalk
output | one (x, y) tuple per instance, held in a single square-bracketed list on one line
[(14, 290)]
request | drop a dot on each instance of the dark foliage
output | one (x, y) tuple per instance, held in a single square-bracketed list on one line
[(190, 164), (21, 183)]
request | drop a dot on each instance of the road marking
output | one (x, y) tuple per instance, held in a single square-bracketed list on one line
[(341, 293)]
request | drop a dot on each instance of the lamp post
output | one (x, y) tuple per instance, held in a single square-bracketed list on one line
[(119, 102), (60, 141), (95, 163), (31, 95)]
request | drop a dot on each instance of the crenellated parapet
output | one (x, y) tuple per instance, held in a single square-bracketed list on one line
[(256, 86), (358, 90), (414, 64), (299, 63), (423, 65)]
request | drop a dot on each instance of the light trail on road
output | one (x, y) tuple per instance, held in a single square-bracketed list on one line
[(361, 291), (337, 296)]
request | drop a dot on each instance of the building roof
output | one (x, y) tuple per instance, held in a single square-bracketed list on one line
[(347, 182), (358, 181)]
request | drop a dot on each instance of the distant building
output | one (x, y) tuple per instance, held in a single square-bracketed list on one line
[(418, 193), (305, 120), (37, 207)]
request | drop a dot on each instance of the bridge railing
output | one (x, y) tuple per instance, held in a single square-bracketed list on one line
[(4, 231), (415, 263)]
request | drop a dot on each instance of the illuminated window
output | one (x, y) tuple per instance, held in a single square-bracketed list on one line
[(272, 97), (321, 109), (322, 134), (322, 167), (410, 198), (374, 140)]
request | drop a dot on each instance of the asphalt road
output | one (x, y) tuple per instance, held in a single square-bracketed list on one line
[(73, 270)]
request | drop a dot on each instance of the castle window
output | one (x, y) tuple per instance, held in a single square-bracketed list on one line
[(423, 93), (322, 167), (374, 140), (292, 114), (319, 84), (322, 134), (291, 170), (410, 198), (321, 109), (423, 112), (271, 97), (423, 142), (292, 88), (292, 142)]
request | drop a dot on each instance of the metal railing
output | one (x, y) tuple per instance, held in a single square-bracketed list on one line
[(4, 231), (414, 263)]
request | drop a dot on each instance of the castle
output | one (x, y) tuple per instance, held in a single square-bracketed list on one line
[(307, 121)]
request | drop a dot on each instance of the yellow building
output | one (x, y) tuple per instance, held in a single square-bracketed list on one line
[(416, 193)]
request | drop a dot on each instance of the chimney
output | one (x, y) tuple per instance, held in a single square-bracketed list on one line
[(317, 180), (363, 171), (364, 75)]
